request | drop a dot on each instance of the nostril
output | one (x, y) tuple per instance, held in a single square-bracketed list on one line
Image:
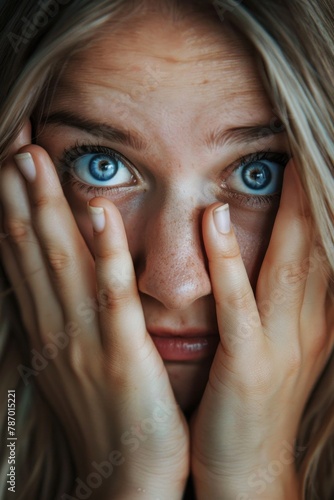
[(176, 286), (171, 264)]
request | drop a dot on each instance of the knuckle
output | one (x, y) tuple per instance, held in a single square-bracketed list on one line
[(109, 253), (115, 294), (239, 299), (18, 230), (229, 253), (292, 274), (41, 202), (118, 281), (115, 259), (60, 260)]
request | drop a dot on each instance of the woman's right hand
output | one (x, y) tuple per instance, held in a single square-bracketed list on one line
[(91, 354)]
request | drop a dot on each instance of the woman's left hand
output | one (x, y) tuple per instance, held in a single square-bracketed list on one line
[(273, 347)]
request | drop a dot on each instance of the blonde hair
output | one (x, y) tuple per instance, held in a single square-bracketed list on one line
[(294, 45)]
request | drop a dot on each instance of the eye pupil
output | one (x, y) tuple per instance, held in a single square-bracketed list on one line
[(257, 175), (103, 167)]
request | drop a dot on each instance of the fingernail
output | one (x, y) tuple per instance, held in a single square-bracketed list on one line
[(97, 217), (221, 217), (26, 165)]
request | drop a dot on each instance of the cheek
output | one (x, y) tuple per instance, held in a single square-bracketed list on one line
[(79, 211), (132, 222), (253, 232)]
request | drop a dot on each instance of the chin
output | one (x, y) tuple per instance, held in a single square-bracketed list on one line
[(188, 381)]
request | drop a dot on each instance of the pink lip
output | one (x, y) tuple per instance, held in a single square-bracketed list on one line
[(184, 345)]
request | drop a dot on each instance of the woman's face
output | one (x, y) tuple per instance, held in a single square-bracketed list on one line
[(182, 104)]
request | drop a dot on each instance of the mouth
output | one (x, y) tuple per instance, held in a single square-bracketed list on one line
[(184, 345)]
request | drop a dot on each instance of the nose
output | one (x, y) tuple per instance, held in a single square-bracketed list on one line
[(173, 269)]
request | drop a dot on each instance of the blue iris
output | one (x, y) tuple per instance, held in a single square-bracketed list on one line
[(256, 175), (103, 167)]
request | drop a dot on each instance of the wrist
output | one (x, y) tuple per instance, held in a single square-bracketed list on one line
[(257, 485), (135, 481), (103, 485), (146, 488)]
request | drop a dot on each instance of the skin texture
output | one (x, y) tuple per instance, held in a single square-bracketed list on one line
[(161, 261), (175, 94)]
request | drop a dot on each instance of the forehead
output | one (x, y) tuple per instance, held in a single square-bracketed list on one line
[(163, 53)]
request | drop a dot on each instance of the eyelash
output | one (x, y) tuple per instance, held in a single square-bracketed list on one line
[(252, 200), (64, 167), (71, 154)]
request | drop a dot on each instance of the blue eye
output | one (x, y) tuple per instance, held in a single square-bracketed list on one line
[(258, 176), (99, 169)]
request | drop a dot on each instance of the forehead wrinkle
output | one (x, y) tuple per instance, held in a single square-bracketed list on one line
[(128, 67), (107, 99), (127, 82), (115, 83), (162, 50), (243, 97), (202, 38), (239, 109), (217, 58)]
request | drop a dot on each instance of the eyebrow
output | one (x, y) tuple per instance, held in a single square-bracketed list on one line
[(101, 130), (134, 140), (243, 135)]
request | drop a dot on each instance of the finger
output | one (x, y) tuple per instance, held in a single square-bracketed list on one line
[(313, 314), (23, 138), (123, 327), (285, 267), (238, 318), (69, 261), (26, 252), (12, 266), (18, 286), (317, 280)]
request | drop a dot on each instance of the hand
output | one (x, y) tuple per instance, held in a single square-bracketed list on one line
[(272, 350), (91, 354)]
